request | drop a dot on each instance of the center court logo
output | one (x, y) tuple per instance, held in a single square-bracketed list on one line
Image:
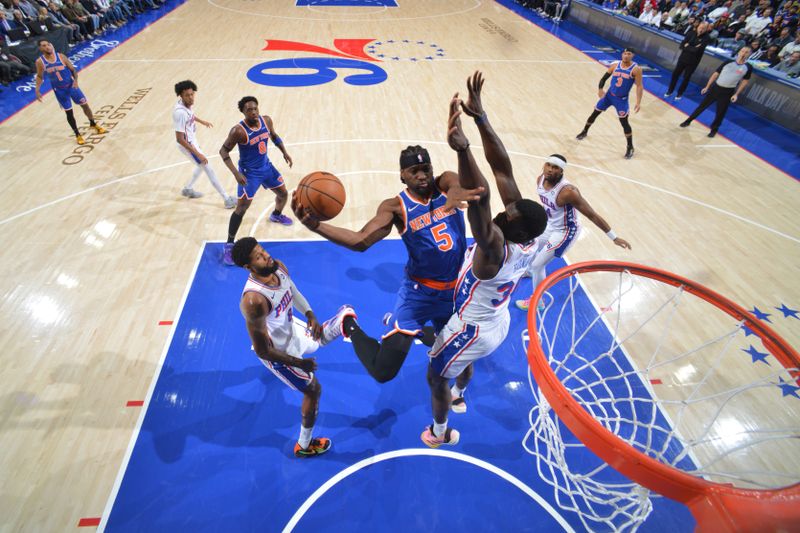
[(348, 55)]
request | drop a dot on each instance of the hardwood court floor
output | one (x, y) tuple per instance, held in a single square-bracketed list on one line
[(97, 245)]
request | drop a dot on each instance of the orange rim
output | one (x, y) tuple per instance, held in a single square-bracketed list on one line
[(715, 506)]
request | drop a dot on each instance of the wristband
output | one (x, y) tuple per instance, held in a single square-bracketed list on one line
[(611, 235), (277, 140), (481, 119)]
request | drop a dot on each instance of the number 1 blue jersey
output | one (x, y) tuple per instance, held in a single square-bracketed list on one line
[(435, 239), (57, 72)]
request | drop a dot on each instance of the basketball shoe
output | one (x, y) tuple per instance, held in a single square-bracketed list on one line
[(459, 405), (191, 193), (79, 139), (230, 202), (280, 218), (99, 129), (332, 328), (523, 305), (449, 438), (316, 447)]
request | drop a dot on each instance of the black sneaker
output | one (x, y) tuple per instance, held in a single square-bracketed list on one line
[(685, 123), (712, 133), (629, 152), (582, 135)]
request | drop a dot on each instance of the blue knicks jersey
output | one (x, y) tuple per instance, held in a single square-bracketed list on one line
[(621, 81), (435, 238), (253, 153), (57, 72)]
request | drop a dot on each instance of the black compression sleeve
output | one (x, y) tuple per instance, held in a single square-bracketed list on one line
[(603, 80)]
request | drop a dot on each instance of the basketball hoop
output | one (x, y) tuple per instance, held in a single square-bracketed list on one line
[(690, 440)]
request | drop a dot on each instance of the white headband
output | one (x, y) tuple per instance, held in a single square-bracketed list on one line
[(558, 162)]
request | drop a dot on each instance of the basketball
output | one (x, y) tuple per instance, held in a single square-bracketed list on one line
[(322, 193)]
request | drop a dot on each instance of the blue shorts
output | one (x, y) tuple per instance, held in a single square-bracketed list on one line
[(68, 95), (267, 177), (416, 305), (620, 104)]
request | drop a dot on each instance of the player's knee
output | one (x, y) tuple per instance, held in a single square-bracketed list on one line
[(385, 374), (314, 389), (281, 193)]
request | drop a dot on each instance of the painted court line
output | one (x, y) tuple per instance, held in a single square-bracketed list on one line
[(411, 452), (137, 429)]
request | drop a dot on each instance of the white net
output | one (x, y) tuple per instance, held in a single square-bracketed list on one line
[(670, 374)]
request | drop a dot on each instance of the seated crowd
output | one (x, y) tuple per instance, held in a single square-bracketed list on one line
[(770, 29), (25, 20)]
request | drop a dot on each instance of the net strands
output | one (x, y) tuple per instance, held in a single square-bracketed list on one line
[(606, 361)]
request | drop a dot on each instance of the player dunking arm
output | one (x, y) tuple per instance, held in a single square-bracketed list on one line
[(64, 80), (183, 122), (624, 74), (561, 199), (434, 235), (267, 304), (504, 248), (255, 169)]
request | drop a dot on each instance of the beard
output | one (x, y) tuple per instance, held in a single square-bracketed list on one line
[(267, 270)]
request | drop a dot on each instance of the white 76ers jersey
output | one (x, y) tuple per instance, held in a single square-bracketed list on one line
[(482, 300), (558, 218), (183, 120), (279, 320)]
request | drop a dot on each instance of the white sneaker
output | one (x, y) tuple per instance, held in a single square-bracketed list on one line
[(230, 202), (459, 405), (191, 193), (334, 327)]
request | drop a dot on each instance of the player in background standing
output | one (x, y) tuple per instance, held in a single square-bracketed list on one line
[(64, 80), (255, 169), (268, 300), (504, 248), (183, 122), (624, 74)]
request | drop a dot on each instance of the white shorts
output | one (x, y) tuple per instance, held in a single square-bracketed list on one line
[(189, 154), (460, 343), (300, 344)]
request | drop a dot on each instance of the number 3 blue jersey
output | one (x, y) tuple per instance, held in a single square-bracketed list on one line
[(435, 240)]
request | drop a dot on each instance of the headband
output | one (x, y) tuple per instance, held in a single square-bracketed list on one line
[(556, 161), (409, 160)]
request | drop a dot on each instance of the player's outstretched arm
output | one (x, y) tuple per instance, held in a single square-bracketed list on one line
[(487, 235), (609, 71), (571, 195), (277, 140), (493, 148), (39, 78), (235, 136), (373, 231), (71, 67), (255, 309)]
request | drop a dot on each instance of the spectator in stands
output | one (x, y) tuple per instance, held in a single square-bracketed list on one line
[(771, 55), (11, 68), (6, 24), (756, 23), (692, 48), (790, 66), (60, 20), (685, 25), (7, 9), (27, 9), (21, 22), (735, 44), (75, 13), (756, 51), (793, 46), (650, 16), (783, 38), (719, 11), (677, 14), (42, 23)]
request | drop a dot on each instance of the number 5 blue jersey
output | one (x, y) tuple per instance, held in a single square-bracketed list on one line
[(435, 240)]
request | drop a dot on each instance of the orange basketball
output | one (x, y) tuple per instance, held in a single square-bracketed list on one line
[(322, 193)]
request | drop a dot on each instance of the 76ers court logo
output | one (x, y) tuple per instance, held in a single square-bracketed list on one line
[(350, 56)]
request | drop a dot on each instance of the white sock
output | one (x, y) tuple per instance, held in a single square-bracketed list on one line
[(196, 174), (456, 392), (439, 429), (305, 436), (212, 177)]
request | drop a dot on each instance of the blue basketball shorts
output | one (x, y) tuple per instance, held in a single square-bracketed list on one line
[(417, 305), (68, 95), (267, 177), (620, 104)]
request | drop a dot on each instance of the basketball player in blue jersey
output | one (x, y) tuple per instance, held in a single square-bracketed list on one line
[(64, 80), (255, 169), (624, 74), (433, 232), (562, 200), (504, 248)]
